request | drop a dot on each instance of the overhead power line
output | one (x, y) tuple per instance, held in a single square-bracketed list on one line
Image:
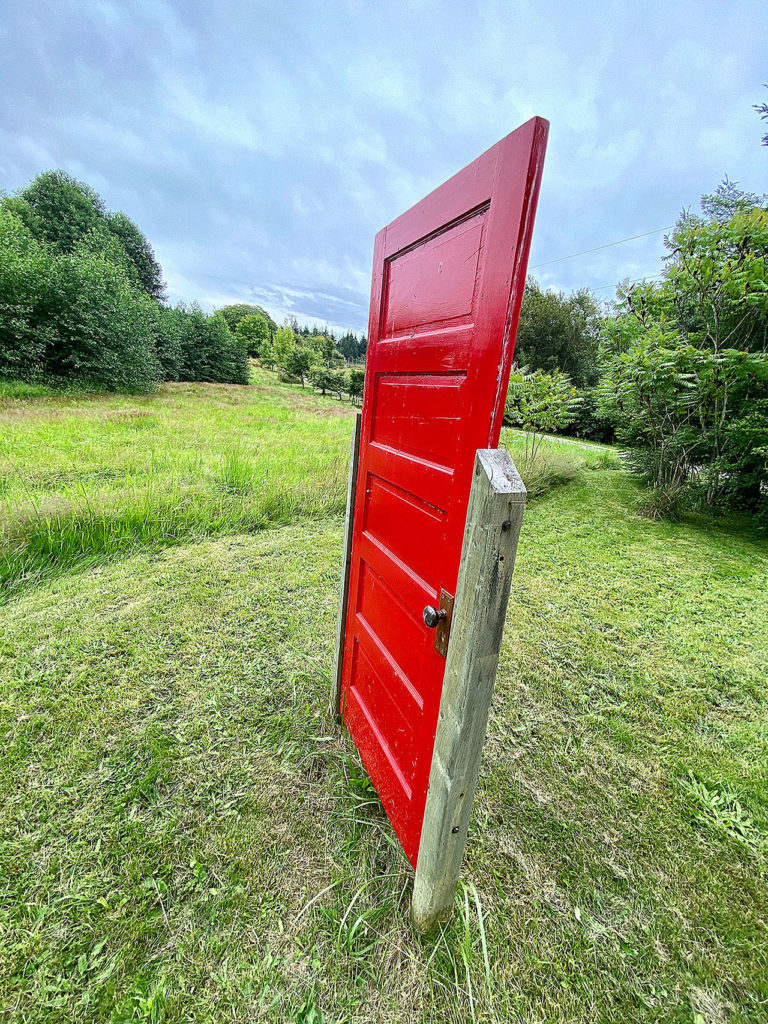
[(637, 280), (598, 247)]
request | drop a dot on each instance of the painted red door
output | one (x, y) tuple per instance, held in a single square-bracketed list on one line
[(448, 280)]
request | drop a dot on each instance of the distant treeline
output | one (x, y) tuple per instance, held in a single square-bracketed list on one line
[(301, 354), (82, 299)]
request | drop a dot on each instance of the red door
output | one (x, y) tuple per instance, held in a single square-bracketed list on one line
[(448, 280)]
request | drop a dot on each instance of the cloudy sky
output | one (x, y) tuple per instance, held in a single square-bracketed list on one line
[(260, 146)]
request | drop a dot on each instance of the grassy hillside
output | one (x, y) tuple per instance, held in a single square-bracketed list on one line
[(185, 837)]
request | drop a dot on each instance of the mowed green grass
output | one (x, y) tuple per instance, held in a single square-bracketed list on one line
[(185, 836)]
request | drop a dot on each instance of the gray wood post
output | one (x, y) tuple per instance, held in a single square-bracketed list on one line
[(354, 456), (494, 515)]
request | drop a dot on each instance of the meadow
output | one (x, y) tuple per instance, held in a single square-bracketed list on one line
[(185, 836)]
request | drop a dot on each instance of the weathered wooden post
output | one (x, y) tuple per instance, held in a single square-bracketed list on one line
[(354, 456), (494, 515)]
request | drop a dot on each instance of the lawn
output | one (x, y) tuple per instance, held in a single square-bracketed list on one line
[(184, 835)]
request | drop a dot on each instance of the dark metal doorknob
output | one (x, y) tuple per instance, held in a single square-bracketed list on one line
[(433, 615)]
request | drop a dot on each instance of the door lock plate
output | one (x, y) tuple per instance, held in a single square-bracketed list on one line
[(443, 629)]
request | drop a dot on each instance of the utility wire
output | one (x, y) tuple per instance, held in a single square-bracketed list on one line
[(598, 247), (637, 280)]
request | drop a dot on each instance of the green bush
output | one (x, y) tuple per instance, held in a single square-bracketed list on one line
[(73, 315), (209, 350), (26, 295), (168, 330), (686, 383)]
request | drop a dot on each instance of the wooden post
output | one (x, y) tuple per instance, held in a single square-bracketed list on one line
[(494, 515), (354, 455)]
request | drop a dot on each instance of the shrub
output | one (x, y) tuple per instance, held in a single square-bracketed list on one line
[(26, 294), (103, 326), (168, 330), (209, 350), (73, 315), (541, 403)]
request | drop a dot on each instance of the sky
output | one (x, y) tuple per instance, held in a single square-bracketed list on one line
[(260, 146)]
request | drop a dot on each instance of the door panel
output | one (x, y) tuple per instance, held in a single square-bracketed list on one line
[(448, 278)]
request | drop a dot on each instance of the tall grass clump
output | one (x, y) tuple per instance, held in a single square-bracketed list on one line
[(86, 478)]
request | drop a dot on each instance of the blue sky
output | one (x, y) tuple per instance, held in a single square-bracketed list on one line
[(260, 146)]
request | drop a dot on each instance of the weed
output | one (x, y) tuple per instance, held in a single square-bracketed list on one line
[(719, 809)]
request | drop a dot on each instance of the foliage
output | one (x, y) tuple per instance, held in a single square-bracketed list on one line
[(541, 403), (590, 421), (78, 291), (559, 332), (298, 363), (209, 350), (71, 315), (762, 109), (687, 380), (254, 332), (58, 209), (139, 252), (239, 311), (356, 385), (282, 345), (68, 214)]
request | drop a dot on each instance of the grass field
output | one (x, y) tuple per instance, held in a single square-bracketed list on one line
[(185, 837)]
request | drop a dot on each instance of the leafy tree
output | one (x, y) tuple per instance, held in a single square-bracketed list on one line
[(282, 345), (540, 403), (298, 363), (76, 315), (168, 330), (68, 214), (728, 199), (559, 332), (762, 109), (59, 209), (27, 299), (139, 252), (687, 380), (692, 418), (337, 383), (321, 378), (356, 385), (210, 352), (267, 354), (236, 313), (254, 332)]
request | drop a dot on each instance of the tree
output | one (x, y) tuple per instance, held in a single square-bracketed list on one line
[(356, 385), (235, 313), (687, 380), (321, 379), (298, 363), (762, 109), (74, 315), (139, 252), (559, 332), (68, 214), (282, 345), (59, 209), (210, 352), (728, 199), (254, 332), (541, 403)]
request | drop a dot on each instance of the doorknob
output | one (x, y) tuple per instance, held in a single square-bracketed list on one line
[(433, 615)]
